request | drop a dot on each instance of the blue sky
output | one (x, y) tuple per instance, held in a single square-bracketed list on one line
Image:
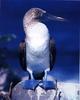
[(66, 34)]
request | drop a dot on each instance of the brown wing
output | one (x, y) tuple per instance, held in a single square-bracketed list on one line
[(52, 53), (22, 55)]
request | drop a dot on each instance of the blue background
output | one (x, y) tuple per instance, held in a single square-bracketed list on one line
[(66, 34)]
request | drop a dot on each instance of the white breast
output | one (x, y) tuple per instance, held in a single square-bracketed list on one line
[(37, 36), (37, 43)]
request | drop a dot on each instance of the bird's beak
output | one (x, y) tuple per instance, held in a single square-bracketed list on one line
[(54, 18)]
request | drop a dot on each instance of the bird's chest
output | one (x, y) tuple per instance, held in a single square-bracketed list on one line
[(37, 55), (37, 43), (37, 37), (37, 47)]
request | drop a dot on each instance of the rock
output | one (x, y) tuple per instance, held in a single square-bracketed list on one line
[(65, 91), (19, 93)]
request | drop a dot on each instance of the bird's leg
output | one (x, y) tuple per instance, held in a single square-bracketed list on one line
[(31, 74), (46, 71)]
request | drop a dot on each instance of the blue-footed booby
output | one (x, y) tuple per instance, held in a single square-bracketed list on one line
[(39, 47)]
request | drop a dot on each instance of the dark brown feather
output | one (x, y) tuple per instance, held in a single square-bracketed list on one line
[(22, 55), (52, 53)]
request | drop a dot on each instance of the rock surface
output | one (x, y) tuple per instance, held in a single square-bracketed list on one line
[(66, 91)]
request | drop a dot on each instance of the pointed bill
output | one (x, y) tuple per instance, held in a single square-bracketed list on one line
[(55, 18)]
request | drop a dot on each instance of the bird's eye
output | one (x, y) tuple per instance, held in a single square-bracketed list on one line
[(36, 13)]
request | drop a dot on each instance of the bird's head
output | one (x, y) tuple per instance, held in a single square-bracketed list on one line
[(32, 15), (36, 13)]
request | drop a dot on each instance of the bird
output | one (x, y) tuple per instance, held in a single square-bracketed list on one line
[(37, 52)]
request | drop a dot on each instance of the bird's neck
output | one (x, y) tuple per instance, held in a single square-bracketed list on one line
[(31, 21)]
